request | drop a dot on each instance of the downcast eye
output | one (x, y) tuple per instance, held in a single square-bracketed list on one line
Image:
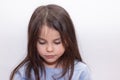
[(57, 42), (42, 42)]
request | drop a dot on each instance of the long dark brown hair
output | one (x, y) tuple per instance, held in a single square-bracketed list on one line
[(57, 18)]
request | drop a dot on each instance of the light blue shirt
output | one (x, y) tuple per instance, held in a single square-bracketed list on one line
[(81, 72)]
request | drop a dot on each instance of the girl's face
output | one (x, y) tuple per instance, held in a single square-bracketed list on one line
[(50, 46)]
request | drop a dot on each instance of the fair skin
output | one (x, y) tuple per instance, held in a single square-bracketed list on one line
[(50, 46)]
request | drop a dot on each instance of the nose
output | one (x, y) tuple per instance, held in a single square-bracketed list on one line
[(49, 48)]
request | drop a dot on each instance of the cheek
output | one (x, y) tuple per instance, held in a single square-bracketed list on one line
[(40, 50), (60, 49)]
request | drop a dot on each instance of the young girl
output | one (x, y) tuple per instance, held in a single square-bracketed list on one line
[(52, 52)]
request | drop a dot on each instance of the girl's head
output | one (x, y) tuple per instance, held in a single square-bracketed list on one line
[(44, 20), (50, 46)]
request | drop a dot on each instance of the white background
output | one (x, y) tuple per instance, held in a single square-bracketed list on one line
[(97, 24)]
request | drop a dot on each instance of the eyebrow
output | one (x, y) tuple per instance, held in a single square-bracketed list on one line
[(53, 40), (57, 39)]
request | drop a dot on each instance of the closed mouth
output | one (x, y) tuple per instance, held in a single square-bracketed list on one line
[(49, 56)]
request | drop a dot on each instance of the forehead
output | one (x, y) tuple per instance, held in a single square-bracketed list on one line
[(47, 32)]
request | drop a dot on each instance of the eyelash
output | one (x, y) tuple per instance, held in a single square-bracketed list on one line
[(42, 43), (58, 42)]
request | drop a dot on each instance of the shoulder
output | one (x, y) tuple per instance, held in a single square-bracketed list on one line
[(20, 73), (81, 71), (80, 65)]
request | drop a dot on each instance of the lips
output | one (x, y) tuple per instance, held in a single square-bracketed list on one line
[(49, 56)]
